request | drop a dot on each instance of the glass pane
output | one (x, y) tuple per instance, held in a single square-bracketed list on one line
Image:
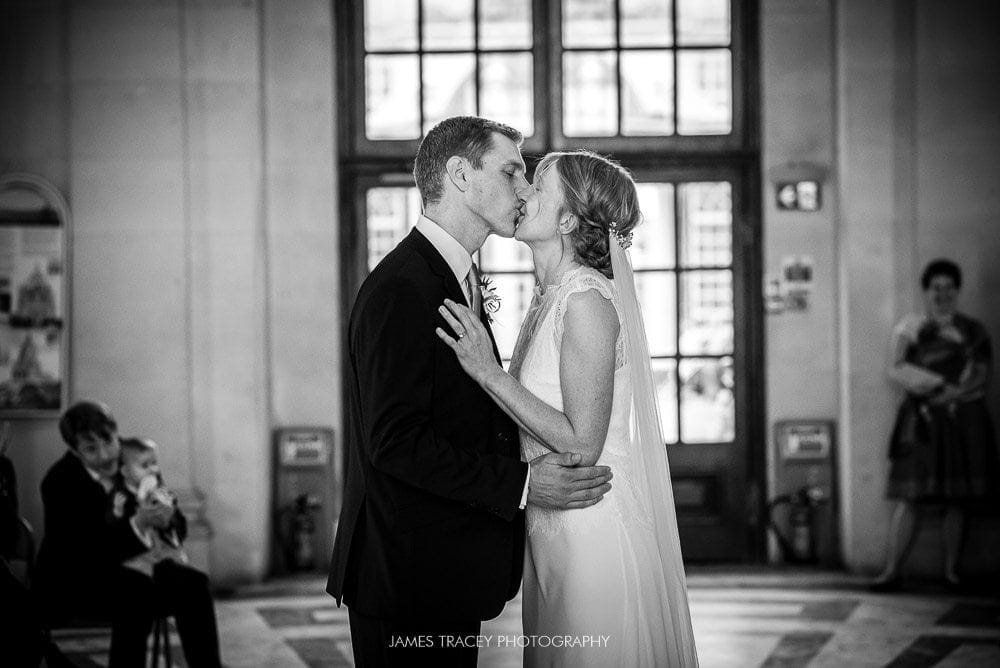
[(646, 22), (590, 97), (588, 23), (647, 93), (448, 24), (706, 224), (504, 25), (708, 414), (391, 212), (665, 377), (703, 22), (505, 92), (449, 87), (392, 97), (706, 312), (657, 299), (504, 255), (515, 292), (390, 25), (704, 92), (653, 241)]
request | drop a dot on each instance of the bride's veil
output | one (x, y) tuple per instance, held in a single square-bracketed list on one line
[(653, 472)]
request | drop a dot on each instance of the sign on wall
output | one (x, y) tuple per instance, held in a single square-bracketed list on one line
[(798, 195), (804, 439), (33, 299), (791, 290)]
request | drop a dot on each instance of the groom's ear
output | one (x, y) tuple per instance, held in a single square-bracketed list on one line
[(458, 171)]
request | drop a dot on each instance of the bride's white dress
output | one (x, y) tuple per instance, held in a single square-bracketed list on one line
[(592, 592)]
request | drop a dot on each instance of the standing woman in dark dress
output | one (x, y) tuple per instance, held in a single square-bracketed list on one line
[(942, 449)]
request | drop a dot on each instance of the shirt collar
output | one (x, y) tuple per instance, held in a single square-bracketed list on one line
[(103, 482), (92, 473), (454, 253)]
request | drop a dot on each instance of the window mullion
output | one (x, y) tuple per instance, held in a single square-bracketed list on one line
[(678, 303), (673, 63), (555, 75), (618, 66), (420, 62), (477, 55)]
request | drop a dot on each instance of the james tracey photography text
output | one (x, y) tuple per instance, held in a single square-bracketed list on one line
[(499, 640)]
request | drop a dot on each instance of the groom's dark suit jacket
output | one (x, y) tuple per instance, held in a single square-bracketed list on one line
[(430, 524)]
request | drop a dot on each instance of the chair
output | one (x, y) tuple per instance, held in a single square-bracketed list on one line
[(161, 632), (80, 627)]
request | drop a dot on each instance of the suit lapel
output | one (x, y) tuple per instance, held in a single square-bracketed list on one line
[(486, 323), (426, 249), (422, 245)]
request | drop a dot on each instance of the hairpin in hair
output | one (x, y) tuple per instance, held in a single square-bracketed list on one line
[(624, 240)]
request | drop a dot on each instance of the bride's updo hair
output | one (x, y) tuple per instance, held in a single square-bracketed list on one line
[(596, 191)]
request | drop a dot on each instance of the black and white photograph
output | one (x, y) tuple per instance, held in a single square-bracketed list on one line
[(499, 333)]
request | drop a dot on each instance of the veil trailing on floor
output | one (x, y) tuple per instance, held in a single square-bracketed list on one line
[(653, 473)]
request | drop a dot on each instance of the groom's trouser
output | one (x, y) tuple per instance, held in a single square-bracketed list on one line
[(379, 642)]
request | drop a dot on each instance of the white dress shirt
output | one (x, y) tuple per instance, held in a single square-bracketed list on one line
[(460, 262), (454, 253)]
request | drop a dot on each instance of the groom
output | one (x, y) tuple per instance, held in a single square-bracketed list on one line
[(431, 534)]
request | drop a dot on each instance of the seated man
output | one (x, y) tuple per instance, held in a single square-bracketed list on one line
[(79, 573)]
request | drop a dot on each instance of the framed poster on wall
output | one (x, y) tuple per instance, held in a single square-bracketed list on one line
[(33, 298)]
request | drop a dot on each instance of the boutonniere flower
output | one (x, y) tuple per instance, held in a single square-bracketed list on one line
[(491, 300)]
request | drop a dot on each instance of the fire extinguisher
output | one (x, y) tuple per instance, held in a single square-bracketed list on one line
[(299, 550), (800, 546)]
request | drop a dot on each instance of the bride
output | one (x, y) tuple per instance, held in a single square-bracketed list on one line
[(603, 585)]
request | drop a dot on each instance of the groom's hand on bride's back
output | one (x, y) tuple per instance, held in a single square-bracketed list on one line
[(557, 482)]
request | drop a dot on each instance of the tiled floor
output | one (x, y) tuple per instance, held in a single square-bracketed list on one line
[(741, 618)]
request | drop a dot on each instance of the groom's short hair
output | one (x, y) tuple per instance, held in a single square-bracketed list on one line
[(467, 136)]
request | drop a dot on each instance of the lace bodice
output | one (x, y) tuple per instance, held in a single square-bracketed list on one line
[(535, 363)]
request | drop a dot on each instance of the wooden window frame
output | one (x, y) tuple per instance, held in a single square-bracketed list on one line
[(547, 51), (677, 158)]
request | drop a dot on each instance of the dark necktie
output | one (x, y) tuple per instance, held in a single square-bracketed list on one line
[(475, 292)]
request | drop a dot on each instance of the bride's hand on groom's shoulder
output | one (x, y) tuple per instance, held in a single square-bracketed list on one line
[(557, 482), (469, 339)]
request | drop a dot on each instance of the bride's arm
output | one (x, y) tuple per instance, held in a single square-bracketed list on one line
[(586, 376)]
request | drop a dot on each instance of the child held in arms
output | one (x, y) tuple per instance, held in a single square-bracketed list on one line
[(139, 483)]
